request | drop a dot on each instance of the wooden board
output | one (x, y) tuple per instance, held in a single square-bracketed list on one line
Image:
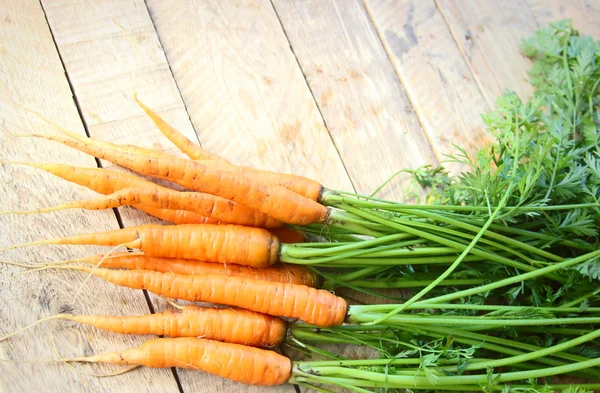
[(489, 35), (243, 88), (584, 13), (32, 76), (436, 77), (362, 101)]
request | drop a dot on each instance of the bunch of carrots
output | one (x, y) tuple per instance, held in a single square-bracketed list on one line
[(269, 246)]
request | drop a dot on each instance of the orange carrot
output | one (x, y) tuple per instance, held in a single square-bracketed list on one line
[(190, 149), (164, 198), (293, 274), (299, 184), (236, 244), (103, 181), (278, 202), (124, 189), (253, 366), (177, 216), (221, 324), (314, 306), (288, 235)]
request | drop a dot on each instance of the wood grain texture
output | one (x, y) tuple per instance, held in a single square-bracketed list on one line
[(489, 35), (433, 72), (243, 88), (31, 75), (358, 92), (584, 13)]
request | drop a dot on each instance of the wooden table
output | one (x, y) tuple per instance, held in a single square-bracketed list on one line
[(346, 92)]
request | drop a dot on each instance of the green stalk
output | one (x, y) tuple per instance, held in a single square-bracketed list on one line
[(476, 307), (362, 262), (515, 279), (364, 378), (396, 320), (449, 243), (411, 283), (493, 235), (501, 344), (335, 198)]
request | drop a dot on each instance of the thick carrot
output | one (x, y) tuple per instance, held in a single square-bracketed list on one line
[(177, 216), (299, 184), (125, 189), (278, 202), (314, 306), (236, 244), (221, 324), (253, 366), (293, 274)]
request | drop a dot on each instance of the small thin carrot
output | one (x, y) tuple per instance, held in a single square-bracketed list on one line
[(221, 324), (103, 181), (299, 184), (278, 202), (236, 244), (123, 148), (240, 363), (293, 274), (314, 306), (189, 148), (164, 198)]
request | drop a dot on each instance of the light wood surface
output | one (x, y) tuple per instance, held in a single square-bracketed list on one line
[(489, 35), (434, 73), (346, 92), (584, 13), (363, 103), (245, 93)]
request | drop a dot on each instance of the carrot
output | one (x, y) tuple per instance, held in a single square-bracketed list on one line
[(103, 181), (236, 244), (221, 324), (189, 148), (253, 366), (293, 274), (177, 216), (288, 235), (164, 198), (299, 184), (278, 202), (314, 306), (124, 189)]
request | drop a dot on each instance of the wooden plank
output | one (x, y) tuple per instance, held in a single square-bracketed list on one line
[(32, 76), (584, 13), (433, 72), (358, 92), (489, 35), (244, 91)]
